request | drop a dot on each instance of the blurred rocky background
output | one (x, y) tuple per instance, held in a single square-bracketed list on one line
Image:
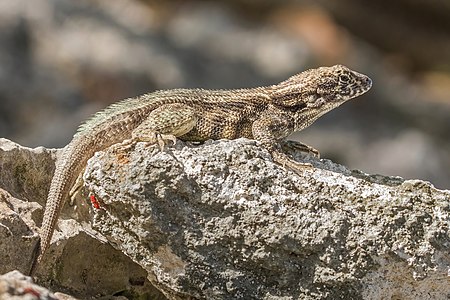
[(61, 61)]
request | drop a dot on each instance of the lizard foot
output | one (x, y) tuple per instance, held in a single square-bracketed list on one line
[(124, 145), (156, 138), (298, 146), (76, 188), (163, 138), (287, 162)]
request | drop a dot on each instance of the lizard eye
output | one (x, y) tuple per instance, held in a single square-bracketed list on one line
[(344, 78)]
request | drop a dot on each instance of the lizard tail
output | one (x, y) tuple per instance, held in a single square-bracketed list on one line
[(68, 166)]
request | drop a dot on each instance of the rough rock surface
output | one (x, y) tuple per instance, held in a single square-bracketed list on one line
[(14, 285), (25, 176), (24, 180), (222, 221)]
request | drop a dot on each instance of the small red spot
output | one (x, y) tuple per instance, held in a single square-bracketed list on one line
[(30, 290), (94, 202)]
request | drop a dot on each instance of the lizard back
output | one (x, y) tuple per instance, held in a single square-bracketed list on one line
[(117, 122)]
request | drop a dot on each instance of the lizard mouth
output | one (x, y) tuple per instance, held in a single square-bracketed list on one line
[(364, 83), (361, 86), (368, 82)]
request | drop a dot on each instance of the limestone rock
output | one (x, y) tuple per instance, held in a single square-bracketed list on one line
[(24, 179), (78, 260), (222, 221), (15, 285)]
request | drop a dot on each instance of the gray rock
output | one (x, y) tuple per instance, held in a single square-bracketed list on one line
[(14, 286), (222, 221), (24, 178), (79, 260)]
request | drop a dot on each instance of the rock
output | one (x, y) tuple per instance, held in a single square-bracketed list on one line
[(25, 172), (24, 178), (15, 285), (222, 221), (75, 248)]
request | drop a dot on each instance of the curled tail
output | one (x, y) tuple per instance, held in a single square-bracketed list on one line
[(108, 127), (68, 166)]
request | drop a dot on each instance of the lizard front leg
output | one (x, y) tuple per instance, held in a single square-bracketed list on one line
[(165, 123), (270, 129)]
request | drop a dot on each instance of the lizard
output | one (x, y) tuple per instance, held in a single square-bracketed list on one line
[(268, 114)]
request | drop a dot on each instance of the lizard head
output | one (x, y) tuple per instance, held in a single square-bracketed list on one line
[(339, 84), (323, 88), (312, 93)]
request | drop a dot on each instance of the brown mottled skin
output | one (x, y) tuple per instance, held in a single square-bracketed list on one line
[(266, 114)]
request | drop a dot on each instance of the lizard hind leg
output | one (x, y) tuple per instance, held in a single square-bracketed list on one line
[(166, 123), (76, 188)]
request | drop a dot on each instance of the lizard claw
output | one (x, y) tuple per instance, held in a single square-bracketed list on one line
[(156, 138), (297, 146), (125, 144), (286, 162), (76, 188), (163, 138)]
